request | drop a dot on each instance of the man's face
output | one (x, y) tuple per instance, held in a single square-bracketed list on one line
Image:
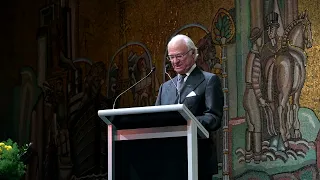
[(259, 42), (185, 59)]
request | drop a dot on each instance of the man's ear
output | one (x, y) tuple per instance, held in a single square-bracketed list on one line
[(193, 53)]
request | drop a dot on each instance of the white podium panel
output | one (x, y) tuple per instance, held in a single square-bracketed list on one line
[(153, 122)]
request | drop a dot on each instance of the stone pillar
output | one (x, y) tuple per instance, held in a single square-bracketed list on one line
[(242, 47)]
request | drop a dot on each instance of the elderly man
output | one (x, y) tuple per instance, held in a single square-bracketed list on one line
[(166, 158), (201, 92)]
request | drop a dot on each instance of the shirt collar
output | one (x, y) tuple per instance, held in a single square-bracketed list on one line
[(191, 69)]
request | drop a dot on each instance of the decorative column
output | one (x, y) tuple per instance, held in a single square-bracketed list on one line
[(225, 166), (242, 48), (223, 33)]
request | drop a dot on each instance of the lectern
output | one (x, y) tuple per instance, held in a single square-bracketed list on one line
[(153, 122)]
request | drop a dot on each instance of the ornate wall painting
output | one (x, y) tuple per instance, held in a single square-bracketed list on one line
[(128, 65), (276, 131)]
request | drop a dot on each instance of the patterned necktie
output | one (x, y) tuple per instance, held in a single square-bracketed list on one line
[(180, 81)]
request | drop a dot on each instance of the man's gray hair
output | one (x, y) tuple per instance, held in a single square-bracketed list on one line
[(187, 40)]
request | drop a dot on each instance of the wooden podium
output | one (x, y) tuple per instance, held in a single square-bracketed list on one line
[(153, 122)]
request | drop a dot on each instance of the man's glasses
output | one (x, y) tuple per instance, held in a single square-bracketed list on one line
[(177, 56)]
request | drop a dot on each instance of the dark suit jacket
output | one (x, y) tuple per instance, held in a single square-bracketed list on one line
[(207, 106)]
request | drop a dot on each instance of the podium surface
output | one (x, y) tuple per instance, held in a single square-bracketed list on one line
[(153, 122)]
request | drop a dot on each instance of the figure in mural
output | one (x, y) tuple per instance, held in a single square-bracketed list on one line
[(253, 100), (271, 47), (268, 52), (289, 71), (142, 96), (139, 68), (207, 59), (143, 89), (128, 65), (284, 72)]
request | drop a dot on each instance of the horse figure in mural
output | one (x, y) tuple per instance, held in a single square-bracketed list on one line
[(285, 75)]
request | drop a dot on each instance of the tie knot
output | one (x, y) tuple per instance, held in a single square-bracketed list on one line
[(181, 76), (180, 81)]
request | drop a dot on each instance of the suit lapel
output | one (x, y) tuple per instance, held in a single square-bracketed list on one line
[(195, 78)]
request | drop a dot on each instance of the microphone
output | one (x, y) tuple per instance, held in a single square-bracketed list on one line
[(167, 66), (152, 70)]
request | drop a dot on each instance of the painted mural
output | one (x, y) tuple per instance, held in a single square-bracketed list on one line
[(136, 62), (264, 51), (277, 138)]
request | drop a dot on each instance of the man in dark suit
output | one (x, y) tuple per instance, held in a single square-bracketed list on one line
[(166, 158), (201, 92)]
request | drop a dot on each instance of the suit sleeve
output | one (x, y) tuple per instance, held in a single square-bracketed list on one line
[(212, 116), (158, 101)]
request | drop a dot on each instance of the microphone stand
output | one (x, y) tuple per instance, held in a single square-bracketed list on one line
[(152, 70)]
